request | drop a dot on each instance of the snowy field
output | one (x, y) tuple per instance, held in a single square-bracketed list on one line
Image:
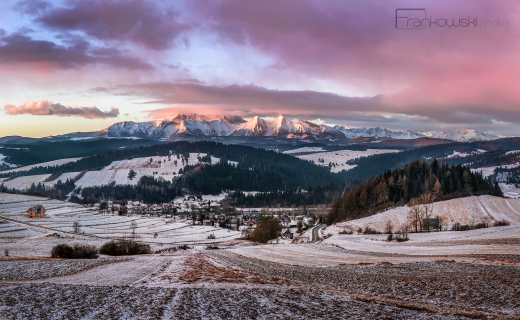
[(438, 275), (2, 161), (487, 171), (94, 227), (462, 210), (341, 157), (44, 164), (510, 190), (304, 149), (25, 182)]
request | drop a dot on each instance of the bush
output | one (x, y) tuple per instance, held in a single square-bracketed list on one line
[(211, 236), (212, 247), (481, 225), (460, 227), (124, 248), (368, 230), (359, 230), (78, 251), (502, 223), (390, 237), (401, 236), (345, 231), (388, 228)]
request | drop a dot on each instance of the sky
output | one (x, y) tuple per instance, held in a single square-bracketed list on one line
[(82, 65)]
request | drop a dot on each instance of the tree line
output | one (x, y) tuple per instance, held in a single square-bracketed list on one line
[(291, 198), (398, 187)]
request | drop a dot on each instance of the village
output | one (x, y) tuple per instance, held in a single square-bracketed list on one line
[(210, 213)]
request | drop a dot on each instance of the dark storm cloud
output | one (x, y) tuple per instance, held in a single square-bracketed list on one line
[(20, 48), (142, 22)]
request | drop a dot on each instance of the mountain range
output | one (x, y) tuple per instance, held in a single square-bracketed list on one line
[(202, 125)]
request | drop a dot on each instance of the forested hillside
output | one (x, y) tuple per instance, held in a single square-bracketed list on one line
[(374, 165), (398, 187), (28, 154)]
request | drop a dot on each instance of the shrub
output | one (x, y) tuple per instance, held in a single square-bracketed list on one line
[(390, 237), (460, 227), (368, 230), (481, 225), (78, 251), (211, 247), (211, 236), (388, 228), (124, 248), (401, 236), (359, 230), (502, 223), (345, 231)]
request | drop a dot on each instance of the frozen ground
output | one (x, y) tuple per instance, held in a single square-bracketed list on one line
[(341, 157), (437, 275), (219, 284)]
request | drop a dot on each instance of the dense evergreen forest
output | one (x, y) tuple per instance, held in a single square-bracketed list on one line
[(147, 190), (291, 198), (28, 154), (398, 187)]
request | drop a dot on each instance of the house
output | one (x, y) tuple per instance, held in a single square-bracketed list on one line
[(36, 212), (285, 221), (287, 234), (207, 222), (431, 223)]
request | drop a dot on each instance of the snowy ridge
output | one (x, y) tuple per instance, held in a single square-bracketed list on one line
[(354, 133), (462, 135), (202, 125)]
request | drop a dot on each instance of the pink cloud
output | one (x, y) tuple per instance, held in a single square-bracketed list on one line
[(467, 70), (46, 107)]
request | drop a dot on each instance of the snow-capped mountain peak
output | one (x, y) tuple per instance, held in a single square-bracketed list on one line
[(202, 125)]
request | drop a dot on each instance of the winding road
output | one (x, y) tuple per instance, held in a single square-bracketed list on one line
[(316, 232)]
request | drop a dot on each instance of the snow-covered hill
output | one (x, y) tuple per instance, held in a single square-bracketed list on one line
[(202, 125), (353, 133), (463, 135)]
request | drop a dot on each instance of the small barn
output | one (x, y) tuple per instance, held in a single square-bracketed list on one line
[(36, 212), (431, 223)]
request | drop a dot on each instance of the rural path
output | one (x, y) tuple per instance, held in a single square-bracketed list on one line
[(114, 274)]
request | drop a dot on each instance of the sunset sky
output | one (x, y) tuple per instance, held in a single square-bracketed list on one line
[(81, 65)]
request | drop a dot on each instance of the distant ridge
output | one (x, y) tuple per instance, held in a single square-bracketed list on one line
[(220, 126)]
